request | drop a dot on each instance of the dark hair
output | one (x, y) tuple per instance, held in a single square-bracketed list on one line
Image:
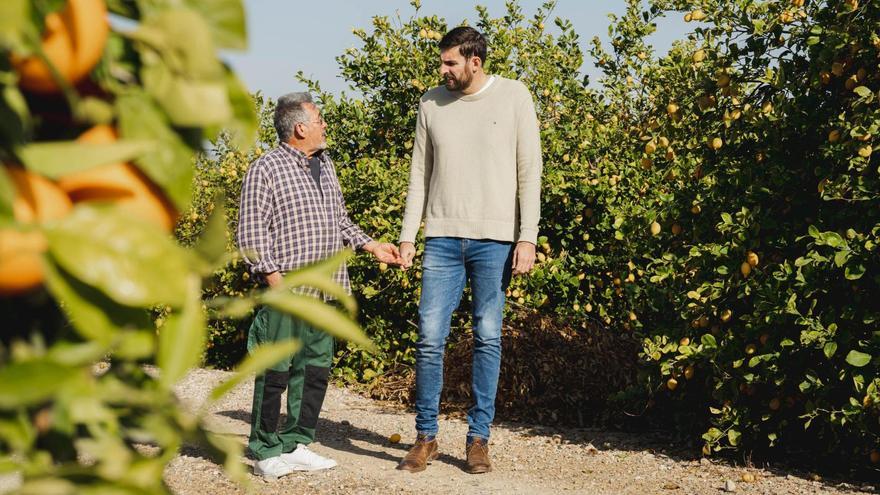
[(468, 40)]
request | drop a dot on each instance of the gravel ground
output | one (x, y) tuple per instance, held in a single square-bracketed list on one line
[(354, 430)]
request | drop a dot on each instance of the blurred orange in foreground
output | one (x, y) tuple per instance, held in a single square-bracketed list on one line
[(120, 183), (37, 199), (73, 41)]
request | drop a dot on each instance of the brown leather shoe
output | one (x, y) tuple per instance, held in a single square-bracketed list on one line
[(420, 455), (478, 457)]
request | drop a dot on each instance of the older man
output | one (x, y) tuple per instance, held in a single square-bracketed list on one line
[(293, 214)]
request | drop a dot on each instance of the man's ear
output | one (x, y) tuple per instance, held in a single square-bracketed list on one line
[(298, 130), (476, 63)]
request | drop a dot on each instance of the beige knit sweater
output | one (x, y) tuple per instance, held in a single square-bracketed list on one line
[(476, 165)]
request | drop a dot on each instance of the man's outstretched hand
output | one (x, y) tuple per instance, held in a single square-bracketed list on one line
[(385, 252)]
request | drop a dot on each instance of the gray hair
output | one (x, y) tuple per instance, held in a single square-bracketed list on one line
[(289, 111)]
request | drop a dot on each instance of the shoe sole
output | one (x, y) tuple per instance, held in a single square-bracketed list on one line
[(479, 470), (432, 457), (306, 468), (270, 477)]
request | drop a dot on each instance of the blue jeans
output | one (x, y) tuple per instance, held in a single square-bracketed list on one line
[(447, 264)]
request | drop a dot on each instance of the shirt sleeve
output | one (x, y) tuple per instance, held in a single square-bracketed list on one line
[(255, 228), (352, 235), (419, 177), (529, 165)]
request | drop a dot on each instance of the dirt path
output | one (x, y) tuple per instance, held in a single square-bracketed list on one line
[(354, 431)]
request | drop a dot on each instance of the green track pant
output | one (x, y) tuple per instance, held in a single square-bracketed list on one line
[(304, 375)]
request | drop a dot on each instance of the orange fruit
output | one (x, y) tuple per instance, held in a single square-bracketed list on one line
[(37, 199), (73, 41), (689, 372), (672, 384), (752, 259), (20, 260), (120, 183)]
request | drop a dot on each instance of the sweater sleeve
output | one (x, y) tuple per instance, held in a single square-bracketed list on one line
[(419, 178), (255, 238), (528, 169)]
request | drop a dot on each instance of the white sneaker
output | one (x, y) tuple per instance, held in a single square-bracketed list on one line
[(303, 459), (272, 468)]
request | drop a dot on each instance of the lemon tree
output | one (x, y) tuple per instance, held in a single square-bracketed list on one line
[(718, 202)]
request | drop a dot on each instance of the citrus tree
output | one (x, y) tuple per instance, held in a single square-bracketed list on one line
[(99, 125), (718, 202)]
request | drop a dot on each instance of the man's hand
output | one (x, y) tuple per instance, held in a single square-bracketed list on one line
[(384, 252), (407, 253), (523, 258), (273, 279)]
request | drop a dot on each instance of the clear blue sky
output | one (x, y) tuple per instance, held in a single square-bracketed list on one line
[(286, 36)]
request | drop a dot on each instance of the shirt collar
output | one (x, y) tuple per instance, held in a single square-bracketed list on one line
[(301, 159)]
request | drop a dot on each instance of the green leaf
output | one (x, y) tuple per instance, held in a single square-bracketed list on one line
[(182, 339), (260, 359), (14, 20), (130, 261), (226, 20), (840, 257), (862, 91), (181, 71), (136, 344), (232, 307), (15, 119), (829, 349), (17, 432), (7, 195), (733, 437), (93, 315), (726, 218), (318, 314), (243, 126), (77, 354), (211, 246), (858, 359), (708, 341), (854, 271), (31, 382), (188, 103), (169, 164), (59, 158), (320, 276)]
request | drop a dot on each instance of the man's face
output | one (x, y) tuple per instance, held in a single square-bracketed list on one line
[(314, 129), (455, 70)]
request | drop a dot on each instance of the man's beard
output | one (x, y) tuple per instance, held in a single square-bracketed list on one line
[(453, 84)]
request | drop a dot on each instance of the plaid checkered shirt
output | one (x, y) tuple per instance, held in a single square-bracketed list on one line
[(285, 223)]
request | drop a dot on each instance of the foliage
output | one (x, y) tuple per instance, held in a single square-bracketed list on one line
[(99, 129), (718, 202)]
